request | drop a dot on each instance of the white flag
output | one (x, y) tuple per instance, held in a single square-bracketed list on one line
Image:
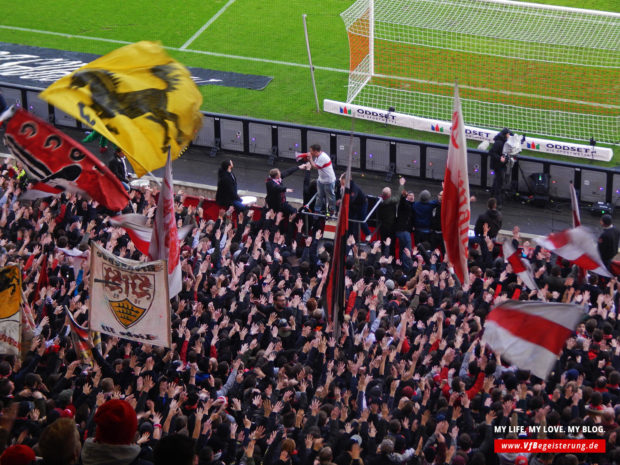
[(455, 210)]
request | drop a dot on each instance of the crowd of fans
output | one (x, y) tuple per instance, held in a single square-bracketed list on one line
[(258, 375)]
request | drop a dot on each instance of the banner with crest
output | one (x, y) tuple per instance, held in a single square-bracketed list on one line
[(10, 315), (129, 299)]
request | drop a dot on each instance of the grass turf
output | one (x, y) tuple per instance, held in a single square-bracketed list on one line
[(249, 36)]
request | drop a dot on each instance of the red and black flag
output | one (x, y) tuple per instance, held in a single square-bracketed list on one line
[(80, 338), (335, 286), (56, 163)]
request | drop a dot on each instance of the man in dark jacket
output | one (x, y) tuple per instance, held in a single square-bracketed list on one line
[(492, 217), (498, 164), (404, 219), (386, 216), (358, 208), (608, 240), (226, 194), (276, 192), (423, 217), (118, 166)]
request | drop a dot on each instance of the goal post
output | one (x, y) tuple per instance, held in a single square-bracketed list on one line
[(538, 69)]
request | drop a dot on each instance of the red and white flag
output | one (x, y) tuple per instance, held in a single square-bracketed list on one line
[(578, 246), (521, 267), (135, 225), (165, 239), (574, 203), (531, 334), (455, 210), (139, 233)]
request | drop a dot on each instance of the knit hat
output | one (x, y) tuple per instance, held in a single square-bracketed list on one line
[(521, 460), (17, 455), (408, 392), (116, 423)]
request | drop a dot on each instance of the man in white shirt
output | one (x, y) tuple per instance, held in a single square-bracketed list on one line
[(326, 182)]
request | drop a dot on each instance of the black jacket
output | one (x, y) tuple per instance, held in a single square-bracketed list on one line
[(117, 167), (226, 189), (493, 218), (496, 150), (608, 244), (276, 192)]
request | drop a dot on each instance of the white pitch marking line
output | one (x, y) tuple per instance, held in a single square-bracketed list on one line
[(207, 24), (176, 49)]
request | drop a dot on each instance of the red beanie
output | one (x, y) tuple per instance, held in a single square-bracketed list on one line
[(116, 423), (17, 455), (408, 392)]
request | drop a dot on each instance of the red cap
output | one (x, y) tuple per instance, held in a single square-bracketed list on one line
[(17, 455), (521, 460), (116, 423)]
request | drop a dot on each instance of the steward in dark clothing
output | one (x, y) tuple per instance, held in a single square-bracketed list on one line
[(608, 240), (492, 217), (498, 164), (276, 192)]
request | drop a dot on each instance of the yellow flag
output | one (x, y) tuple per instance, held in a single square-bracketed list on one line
[(137, 97)]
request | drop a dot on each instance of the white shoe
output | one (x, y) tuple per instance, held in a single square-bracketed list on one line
[(369, 238)]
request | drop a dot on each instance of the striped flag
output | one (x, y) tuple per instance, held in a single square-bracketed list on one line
[(135, 225), (139, 233), (80, 337), (165, 239), (578, 246), (335, 285), (531, 334), (521, 267), (574, 203), (455, 210)]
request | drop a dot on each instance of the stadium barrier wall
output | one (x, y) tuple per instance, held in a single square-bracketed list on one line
[(371, 153)]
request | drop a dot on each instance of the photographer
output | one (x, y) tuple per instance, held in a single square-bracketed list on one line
[(499, 163)]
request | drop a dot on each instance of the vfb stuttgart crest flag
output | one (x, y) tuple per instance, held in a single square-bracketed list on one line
[(129, 299)]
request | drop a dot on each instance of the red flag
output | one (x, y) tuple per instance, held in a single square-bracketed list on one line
[(574, 203), (42, 278), (520, 267), (455, 210), (335, 285), (531, 334), (577, 246), (165, 239), (57, 163)]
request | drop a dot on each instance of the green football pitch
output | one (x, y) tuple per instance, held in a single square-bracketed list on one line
[(243, 36)]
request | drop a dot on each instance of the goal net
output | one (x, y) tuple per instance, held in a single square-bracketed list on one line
[(537, 69)]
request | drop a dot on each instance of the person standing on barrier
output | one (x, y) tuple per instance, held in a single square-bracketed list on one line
[(498, 163), (326, 198), (226, 194), (276, 191)]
